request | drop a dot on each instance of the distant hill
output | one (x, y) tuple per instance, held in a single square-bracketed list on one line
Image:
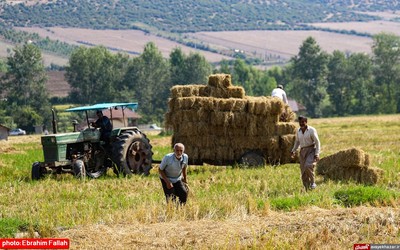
[(267, 32), (179, 16)]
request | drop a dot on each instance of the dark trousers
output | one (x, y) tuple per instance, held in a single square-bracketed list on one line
[(178, 190)]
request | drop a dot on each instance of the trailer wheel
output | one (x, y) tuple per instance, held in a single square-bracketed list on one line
[(37, 171), (132, 152), (252, 159), (79, 169)]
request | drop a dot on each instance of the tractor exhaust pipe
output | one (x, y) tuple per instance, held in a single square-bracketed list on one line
[(54, 122)]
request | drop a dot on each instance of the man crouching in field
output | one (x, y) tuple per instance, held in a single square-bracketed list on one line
[(173, 170), (307, 139)]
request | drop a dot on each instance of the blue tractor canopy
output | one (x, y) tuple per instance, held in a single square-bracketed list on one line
[(103, 106)]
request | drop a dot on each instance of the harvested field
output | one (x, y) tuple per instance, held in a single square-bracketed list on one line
[(372, 28), (283, 44), (48, 58), (132, 41), (273, 46), (56, 84), (229, 208), (314, 228)]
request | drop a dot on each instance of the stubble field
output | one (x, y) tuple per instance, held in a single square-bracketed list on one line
[(229, 207)]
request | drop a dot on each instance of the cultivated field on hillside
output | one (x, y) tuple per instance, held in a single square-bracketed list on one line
[(228, 208), (48, 58), (372, 28), (274, 46), (130, 41), (283, 44), (56, 84)]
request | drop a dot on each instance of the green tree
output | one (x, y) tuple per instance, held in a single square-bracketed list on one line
[(25, 81), (149, 76), (192, 69), (177, 68), (224, 67), (96, 75), (361, 78), (26, 117), (309, 76), (3, 66), (242, 76), (339, 87), (197, 69), (386, 58)]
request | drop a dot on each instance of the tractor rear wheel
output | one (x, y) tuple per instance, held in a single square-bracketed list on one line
[(252, 159), (132, 152), (37, 171)]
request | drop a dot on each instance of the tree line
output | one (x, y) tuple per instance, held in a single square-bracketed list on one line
[(337, 84)]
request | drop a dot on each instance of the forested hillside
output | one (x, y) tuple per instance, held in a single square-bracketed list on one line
[(328, 84), (189, 16)]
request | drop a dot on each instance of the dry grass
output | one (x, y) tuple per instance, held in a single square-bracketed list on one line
[(313, 228), (136, 217)]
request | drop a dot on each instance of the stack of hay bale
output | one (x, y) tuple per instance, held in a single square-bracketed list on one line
[(350, 164), (218, 123)]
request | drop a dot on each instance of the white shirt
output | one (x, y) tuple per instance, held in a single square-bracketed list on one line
[(278, 92), (308, 138), (173, 167)]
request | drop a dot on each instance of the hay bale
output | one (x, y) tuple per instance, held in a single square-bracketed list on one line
[(218, 123), (204, 91), (284, 128), (352, 157), (231, 92), (351, 164), (371, 175), (206, 103), (231, 104), (287, 115), (264, 106), (185, 90), (220, 80)]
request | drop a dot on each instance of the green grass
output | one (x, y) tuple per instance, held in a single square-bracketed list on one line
[(356, 196), (217, 192), (10, 226)]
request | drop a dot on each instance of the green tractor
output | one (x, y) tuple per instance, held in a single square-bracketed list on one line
[(83, 153)]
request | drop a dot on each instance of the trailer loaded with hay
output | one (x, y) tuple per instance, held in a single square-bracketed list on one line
[(220, 125)]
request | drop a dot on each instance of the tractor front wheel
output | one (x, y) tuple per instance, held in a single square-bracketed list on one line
[(37, 171), (79, 169), (132, 152), (98, 164)]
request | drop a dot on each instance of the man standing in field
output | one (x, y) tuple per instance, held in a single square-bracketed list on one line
[(173, 172), (307, 139), (280, 93)]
